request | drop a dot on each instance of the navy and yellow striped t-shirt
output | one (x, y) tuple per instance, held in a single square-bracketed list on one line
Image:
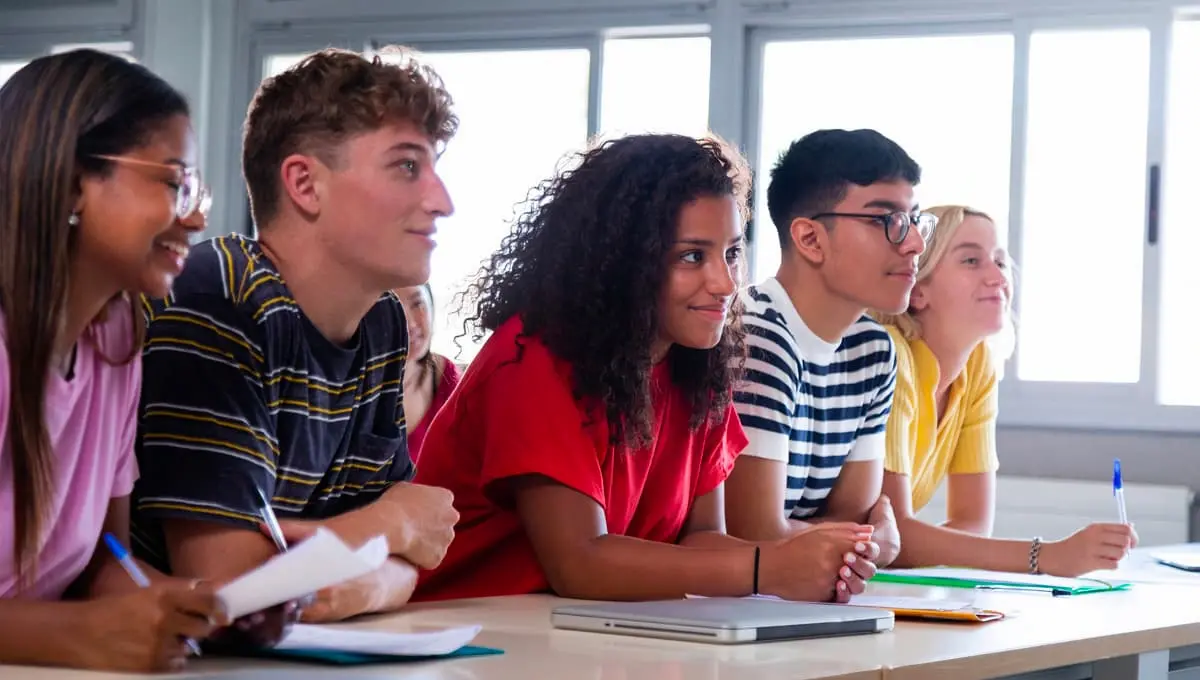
[(241, 392)]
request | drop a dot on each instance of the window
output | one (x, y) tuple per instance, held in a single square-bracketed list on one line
[(655, 85), (1084, 214), (510, 138), (122, 48), (951, 110), (278, 63), (8, 68), (1180, 241)]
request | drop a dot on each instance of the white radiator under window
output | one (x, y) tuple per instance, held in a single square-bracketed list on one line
[(1055, 508)]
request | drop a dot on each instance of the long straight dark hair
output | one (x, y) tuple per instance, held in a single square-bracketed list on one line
[(57, 114)]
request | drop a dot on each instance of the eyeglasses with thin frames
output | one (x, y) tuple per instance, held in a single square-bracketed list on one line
[(192, 196), (895, 225)]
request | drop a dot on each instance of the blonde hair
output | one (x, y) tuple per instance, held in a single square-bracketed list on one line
[(950, 218)]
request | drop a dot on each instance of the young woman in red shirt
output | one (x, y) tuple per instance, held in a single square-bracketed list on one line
[(588, 443)]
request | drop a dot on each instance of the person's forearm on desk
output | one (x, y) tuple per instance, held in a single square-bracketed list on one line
[(34, 632), (924, 544), (386, 589)]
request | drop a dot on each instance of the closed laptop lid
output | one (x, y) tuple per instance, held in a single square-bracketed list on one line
[(727, 613)]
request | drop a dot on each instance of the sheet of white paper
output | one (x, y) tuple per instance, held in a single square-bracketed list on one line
[(901, 602), (432, 643), (998, 576), (321, 561)]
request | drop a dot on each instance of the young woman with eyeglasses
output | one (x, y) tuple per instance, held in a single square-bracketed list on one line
[(942, 426), (98, 201)]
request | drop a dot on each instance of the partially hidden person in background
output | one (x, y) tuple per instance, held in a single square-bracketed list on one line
[(819, 379), (430, 377), (588, 444), (942, 427), (276, 366), (99, 196)]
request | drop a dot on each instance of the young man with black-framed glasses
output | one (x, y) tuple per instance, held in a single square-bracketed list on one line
[(818, 385)]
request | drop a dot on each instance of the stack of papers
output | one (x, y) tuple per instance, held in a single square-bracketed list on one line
[(339, 646), (333, 638), (952, 577), (321, 561)]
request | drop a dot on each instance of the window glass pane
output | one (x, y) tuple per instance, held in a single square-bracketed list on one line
[(278, 63), (502, 149), (952, 112), (8, 68), (655, 85), (122, 48), (1084, 213), (1180, 385)]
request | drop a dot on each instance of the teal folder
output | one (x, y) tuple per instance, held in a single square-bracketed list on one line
[(333, 657)]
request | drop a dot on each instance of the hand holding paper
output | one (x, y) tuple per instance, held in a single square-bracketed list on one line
[(319, 562)]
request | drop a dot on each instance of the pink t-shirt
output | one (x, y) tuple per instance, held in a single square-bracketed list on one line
[(92, 422)]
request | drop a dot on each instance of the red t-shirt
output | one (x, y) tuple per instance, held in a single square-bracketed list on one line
[(512, 417)]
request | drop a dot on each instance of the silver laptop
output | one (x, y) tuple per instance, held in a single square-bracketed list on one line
[(723, 620)]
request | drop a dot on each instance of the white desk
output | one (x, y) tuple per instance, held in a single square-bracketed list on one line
[(1132, 635), (521, 627)]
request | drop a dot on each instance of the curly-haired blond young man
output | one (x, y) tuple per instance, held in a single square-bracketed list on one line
[(276, 365)]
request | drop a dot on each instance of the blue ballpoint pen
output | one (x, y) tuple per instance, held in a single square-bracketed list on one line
[(135, 573), (1119, 492)]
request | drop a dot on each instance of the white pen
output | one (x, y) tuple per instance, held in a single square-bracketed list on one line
[(268, 515)]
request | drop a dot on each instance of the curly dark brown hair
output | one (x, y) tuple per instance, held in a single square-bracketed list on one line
[(328, 97), (584, 265)]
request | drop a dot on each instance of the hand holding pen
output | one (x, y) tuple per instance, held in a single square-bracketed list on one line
[(1099, 546), (149, 629)]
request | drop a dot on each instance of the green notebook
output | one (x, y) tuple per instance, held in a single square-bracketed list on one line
[(953, 577), (340, 658)]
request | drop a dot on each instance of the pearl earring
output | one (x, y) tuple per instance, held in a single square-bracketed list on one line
[(73, 220)]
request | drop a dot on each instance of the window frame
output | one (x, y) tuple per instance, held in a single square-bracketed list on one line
[(1090, 406)]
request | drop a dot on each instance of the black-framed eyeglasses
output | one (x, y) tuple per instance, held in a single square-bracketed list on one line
[(193, 195), (895, 225)]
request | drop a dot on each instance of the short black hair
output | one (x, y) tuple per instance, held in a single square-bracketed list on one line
[(812, 176)]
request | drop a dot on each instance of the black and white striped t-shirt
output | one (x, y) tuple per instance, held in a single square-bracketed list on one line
[(810, 403)]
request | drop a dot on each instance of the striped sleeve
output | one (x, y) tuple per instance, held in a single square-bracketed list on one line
[(206, 444), (765, 399), (870, 440)]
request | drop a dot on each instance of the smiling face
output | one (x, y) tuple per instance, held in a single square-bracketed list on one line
[(704, 270), (418, 310), (968, 289), (127, 216), (378, 204)]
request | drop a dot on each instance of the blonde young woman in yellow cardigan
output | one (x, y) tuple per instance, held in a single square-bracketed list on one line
[(943, 421)]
